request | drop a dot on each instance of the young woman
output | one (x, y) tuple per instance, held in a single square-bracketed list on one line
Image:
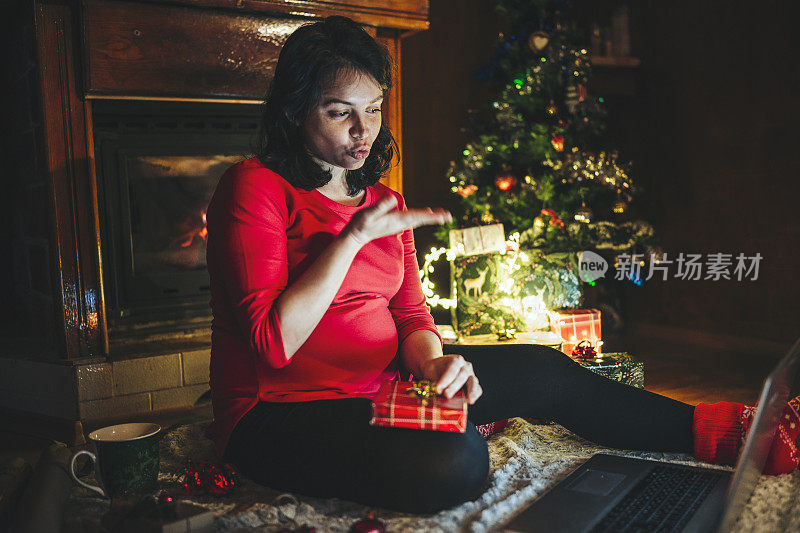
[(317, 301)]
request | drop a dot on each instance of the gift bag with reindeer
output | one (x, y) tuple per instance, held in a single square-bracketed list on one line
[(475, 274), (503, 291)]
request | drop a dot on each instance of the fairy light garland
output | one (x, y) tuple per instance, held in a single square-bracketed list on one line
[(434, 300)]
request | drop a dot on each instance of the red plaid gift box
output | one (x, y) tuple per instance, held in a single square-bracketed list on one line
[(400, 404), (576, 325)]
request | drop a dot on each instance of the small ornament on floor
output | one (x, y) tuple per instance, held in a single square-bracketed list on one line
[(584, 350), (368, 525), (206, 477), (282, 500)]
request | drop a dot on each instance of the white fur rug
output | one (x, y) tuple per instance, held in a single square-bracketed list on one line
[(525, 460)]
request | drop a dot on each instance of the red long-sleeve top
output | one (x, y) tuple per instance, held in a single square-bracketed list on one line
[(262, 235)]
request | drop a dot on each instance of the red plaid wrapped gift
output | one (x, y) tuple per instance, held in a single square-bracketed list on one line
[(409, 404), (576, 325)]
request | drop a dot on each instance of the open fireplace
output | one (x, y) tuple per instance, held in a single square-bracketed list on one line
[(124, 115), (157, 165)]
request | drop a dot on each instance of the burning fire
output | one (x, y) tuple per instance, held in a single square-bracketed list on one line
[(196, 232)]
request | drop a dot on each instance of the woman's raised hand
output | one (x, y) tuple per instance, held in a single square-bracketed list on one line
[(383, 219), (451, 373)]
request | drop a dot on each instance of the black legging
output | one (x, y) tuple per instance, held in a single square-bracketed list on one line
[(327, 448)]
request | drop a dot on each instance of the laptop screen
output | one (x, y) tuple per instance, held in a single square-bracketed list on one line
[(774, 396)]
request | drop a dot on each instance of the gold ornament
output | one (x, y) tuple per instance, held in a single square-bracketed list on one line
[(487, 217), (620, 206), (538, 41), (584, 214), (538, 222)]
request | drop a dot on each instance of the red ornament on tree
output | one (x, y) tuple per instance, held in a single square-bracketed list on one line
[(467, 191), (554, 220), (505, 183), (558, 143), (583, 93)]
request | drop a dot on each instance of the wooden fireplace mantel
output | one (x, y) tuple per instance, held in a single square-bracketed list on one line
[(187, 50), (409, 15)]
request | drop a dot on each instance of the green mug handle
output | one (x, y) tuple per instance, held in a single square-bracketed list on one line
[(92, 456)]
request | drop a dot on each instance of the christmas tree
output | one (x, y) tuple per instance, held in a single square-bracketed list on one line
[(540, 163)]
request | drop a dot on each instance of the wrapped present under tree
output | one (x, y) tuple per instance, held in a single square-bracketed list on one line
[(575, 326), (619, 366), (512, 290)]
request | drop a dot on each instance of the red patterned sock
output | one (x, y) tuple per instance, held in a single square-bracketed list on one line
[(784, 456), (720, 429)]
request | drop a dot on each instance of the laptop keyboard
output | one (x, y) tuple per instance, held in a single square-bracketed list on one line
[(665, 500)]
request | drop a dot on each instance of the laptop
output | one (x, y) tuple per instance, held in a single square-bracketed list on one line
[(616, 494)]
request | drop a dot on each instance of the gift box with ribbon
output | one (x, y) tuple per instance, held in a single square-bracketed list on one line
[(576, 325), (619, 366), (478, 240), (409, 404)]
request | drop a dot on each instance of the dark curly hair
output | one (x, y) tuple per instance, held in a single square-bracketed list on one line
[(312, 58)]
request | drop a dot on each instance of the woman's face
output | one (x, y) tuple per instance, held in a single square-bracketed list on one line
[(341, 129)]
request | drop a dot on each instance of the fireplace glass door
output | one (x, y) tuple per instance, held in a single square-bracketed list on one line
[(157, 168)]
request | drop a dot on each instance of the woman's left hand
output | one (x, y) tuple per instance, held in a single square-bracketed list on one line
[(451, 373)]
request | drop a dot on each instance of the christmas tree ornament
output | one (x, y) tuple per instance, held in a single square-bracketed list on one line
[(554, 220), (467, 190), (368, 525), (620, 206), (583, 92), (542, 102), (571, 98), (655, 254), (584, 214), (538, 41), (505, 183)]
